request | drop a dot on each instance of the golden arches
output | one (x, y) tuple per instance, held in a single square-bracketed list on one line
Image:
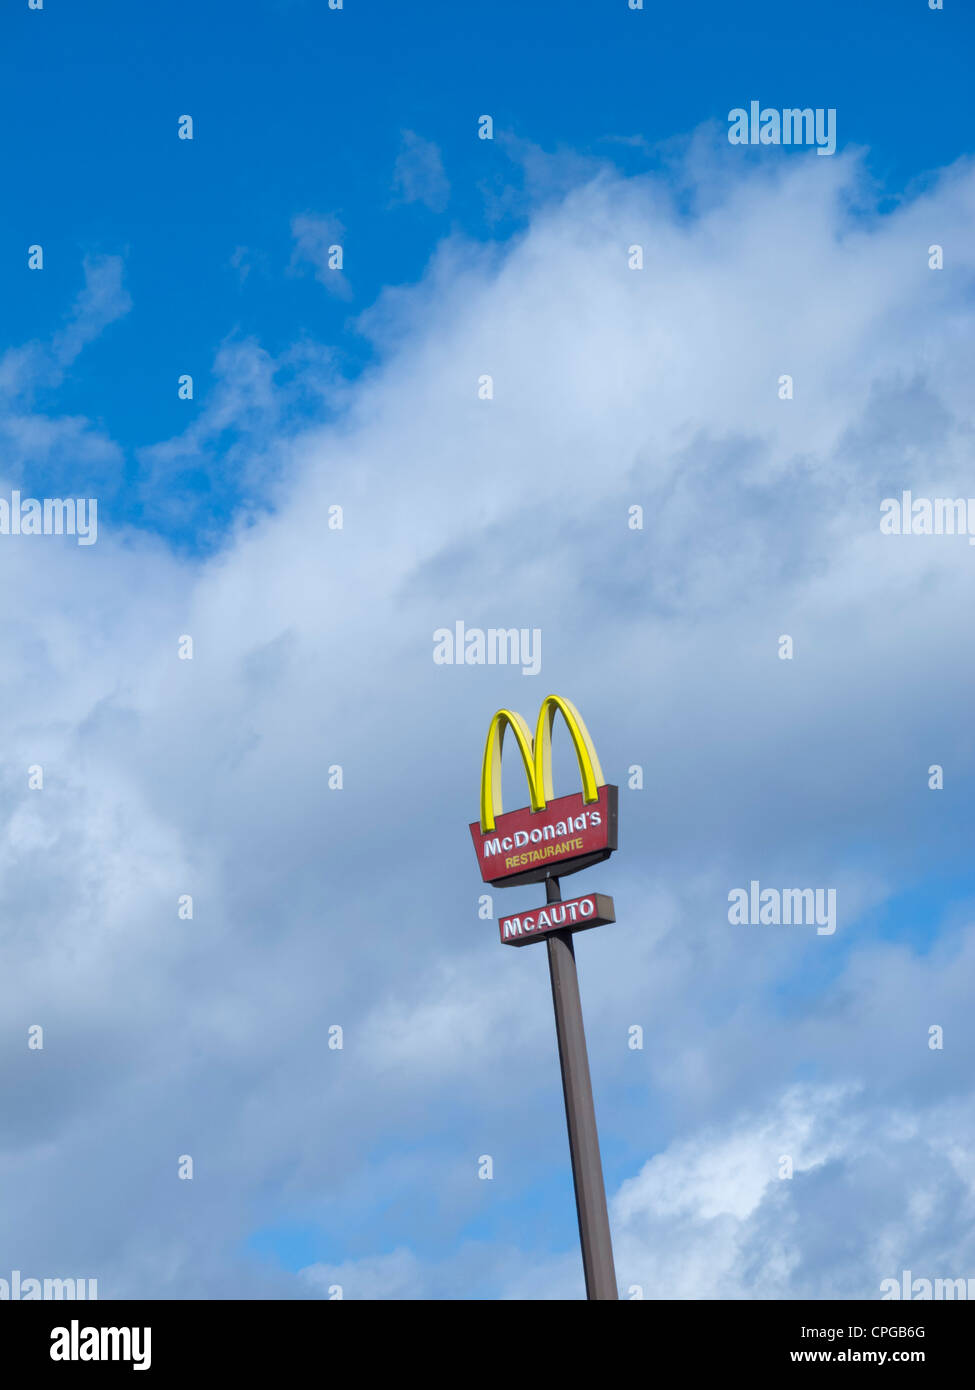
[(536, 755)]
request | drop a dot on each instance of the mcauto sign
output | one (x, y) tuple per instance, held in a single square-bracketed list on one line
[(552, 836), (571, 914)]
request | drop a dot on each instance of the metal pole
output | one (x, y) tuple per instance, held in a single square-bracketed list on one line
[(587, 1169)]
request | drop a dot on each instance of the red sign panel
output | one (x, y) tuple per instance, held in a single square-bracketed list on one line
[(575, 914), (527, 846)]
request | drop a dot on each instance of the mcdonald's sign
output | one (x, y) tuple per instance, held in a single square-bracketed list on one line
[(553, 835)]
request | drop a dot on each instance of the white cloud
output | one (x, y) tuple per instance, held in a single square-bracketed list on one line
[(418, 175), (873, 1192), (313, 647), (314, 238), (100, 303)]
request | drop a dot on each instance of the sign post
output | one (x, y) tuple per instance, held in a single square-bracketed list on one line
[(580, 1113), (539, 843)]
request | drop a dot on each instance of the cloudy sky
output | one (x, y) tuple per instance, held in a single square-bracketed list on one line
[(317, 907)]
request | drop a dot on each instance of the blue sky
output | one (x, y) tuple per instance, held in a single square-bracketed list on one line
[(299, 109), (313, 646)]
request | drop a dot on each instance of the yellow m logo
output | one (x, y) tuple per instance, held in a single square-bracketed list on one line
[(536, 754)]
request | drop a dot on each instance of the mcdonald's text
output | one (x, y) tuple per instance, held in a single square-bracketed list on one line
[(567, 834)]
